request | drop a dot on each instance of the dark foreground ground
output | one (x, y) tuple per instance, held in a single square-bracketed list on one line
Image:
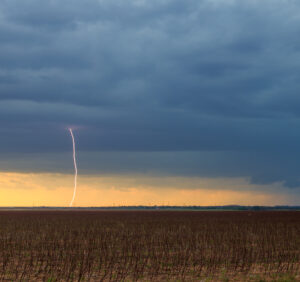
[(149, 246)]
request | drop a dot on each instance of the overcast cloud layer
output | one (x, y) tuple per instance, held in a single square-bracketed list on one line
[(213, 82)]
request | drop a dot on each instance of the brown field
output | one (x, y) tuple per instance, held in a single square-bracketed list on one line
[(149, 246)]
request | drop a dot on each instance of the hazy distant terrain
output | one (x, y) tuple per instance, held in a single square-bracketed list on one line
[(199, 208)]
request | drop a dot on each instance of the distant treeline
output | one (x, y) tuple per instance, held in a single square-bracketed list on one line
[(229, 207), (221, 208)]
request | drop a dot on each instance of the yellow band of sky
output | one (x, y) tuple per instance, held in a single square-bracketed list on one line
[(43, 189)]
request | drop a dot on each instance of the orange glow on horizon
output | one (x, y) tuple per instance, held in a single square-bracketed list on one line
[(22, 189)]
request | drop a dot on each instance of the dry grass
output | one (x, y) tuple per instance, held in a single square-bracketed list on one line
[(149, 246)]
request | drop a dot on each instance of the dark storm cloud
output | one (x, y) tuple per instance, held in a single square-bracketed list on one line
[(201, 76)]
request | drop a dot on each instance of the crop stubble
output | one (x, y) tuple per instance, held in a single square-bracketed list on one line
[(147, 245)]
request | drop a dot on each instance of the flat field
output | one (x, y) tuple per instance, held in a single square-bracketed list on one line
[(149, 246)]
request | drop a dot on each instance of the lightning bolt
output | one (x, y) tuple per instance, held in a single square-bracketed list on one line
[(75, 167)]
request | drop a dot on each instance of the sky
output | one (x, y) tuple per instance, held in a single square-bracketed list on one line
[(191, 102)]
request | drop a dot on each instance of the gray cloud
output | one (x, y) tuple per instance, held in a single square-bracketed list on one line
[(154, 76)]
